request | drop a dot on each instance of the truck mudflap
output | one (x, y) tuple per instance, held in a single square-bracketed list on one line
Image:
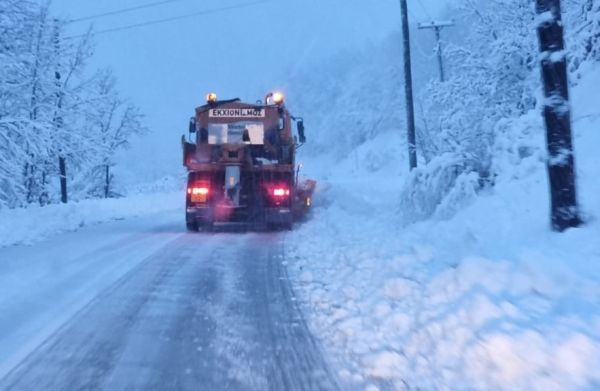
[(279, 217), (197, 218), (304, 198)]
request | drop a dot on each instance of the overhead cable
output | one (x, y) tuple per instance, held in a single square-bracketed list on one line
[(425, 9), (120, 11), (172, 19)]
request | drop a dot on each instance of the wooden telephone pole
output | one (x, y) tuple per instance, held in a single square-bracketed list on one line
[(557, 115), (58, 120), (408, 89), (437, 28)]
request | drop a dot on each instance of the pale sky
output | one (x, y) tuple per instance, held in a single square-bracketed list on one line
[(167, 69)]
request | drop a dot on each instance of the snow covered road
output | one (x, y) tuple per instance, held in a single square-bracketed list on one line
[(140, 304)]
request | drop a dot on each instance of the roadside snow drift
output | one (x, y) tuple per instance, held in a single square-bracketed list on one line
[(485, 299), (28, 225)]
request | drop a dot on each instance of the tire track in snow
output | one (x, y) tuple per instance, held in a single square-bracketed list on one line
[(207, 311)]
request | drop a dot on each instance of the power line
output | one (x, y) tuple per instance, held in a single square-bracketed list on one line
[(121, 11), (425, 9), (174, 18), (417, 44), (412, 16)]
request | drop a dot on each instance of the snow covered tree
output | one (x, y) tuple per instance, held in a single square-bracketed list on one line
[(112, 122), (363, 100), (46, 99), (479, 119), (70, 100), (491, 77), (583, 34), (25, 97)]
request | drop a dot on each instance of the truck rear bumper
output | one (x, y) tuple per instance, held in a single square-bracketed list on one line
[(198, 214), (271, 216)]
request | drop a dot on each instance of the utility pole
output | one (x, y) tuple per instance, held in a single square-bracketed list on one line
[(557, 116), (58, 120), (437, 28), (408, 89)]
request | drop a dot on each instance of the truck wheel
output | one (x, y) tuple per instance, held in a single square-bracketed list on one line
[(192, 226), (208, 227)]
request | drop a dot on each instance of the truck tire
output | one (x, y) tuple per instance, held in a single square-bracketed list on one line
[(208, 227), (192, 226)]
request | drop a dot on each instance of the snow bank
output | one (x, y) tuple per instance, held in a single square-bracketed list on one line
[(487, 298), (27, 225)]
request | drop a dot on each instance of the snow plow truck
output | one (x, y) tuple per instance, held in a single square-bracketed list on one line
[(240, 159)]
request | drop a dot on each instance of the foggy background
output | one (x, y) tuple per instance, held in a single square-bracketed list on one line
[(244, 51)]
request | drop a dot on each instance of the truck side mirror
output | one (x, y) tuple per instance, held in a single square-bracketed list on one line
[(192, 128), (301, 131)]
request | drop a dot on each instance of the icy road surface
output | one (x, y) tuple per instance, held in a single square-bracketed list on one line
[(141, 304)]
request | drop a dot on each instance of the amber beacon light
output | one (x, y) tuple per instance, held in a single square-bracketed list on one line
[(211, 97), (278, 98)]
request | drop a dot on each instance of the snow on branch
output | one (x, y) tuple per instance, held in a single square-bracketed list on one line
[(49, 107)]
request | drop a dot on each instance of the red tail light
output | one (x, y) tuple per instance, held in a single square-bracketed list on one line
[(199, 192), (278, 194)]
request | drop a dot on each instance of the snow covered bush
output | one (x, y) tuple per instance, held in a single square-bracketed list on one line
[(438, 188), (519, 147)]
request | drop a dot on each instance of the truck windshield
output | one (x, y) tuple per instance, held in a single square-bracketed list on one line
[(236, 133)]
